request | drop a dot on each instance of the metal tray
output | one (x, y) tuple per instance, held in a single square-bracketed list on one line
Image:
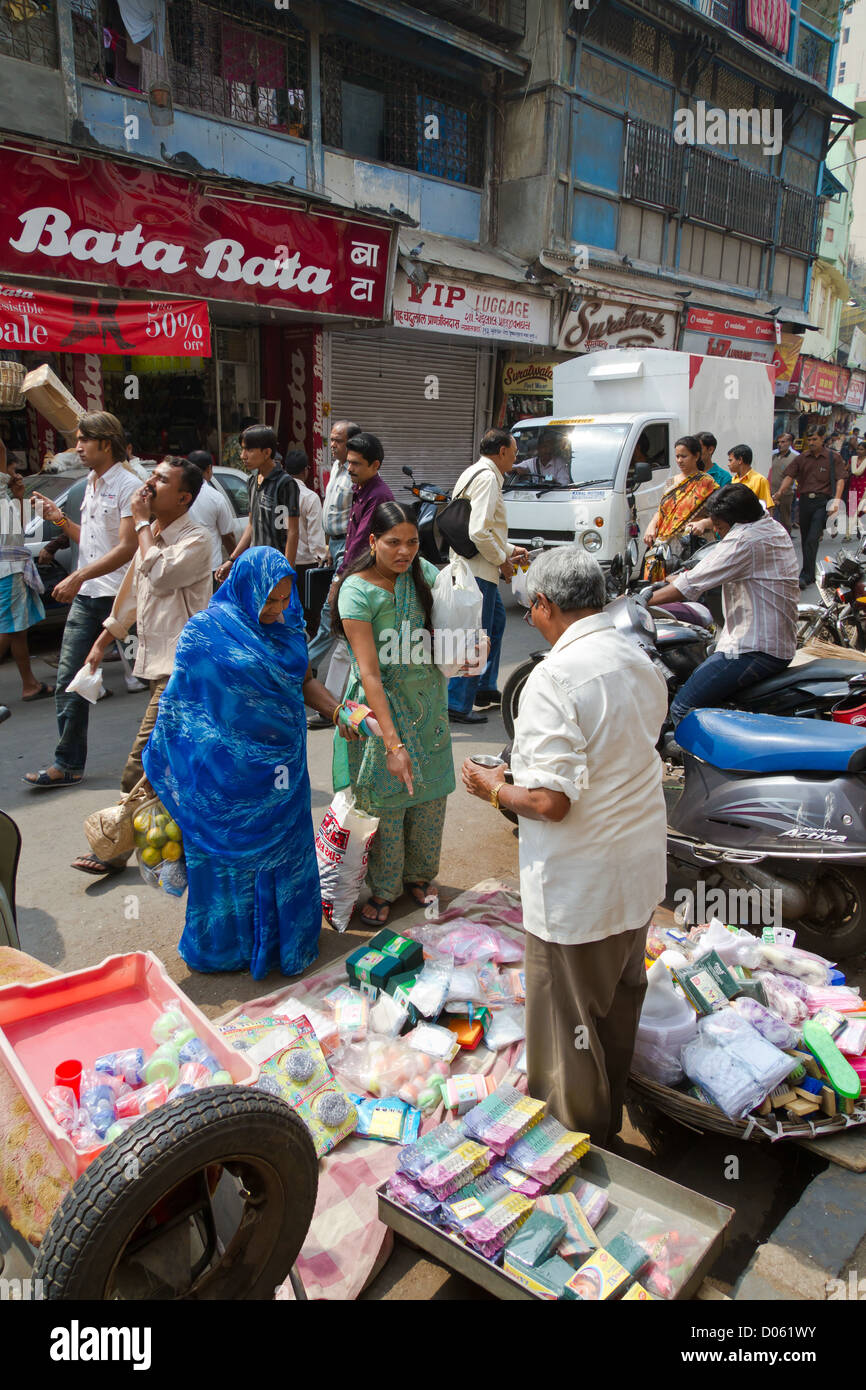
[(628, 1185)]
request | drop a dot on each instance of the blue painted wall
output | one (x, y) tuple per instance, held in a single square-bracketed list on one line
[(243, 152)]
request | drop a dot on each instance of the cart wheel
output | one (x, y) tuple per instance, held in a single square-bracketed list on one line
[(142, 1220)]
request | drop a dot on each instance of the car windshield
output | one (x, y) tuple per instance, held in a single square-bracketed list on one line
[(568, 456), (49, 484)]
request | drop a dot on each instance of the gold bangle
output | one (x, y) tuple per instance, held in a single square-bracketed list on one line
[(336, 715), (494, 796), (394, 749)]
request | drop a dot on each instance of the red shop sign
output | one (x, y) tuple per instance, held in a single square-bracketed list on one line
[(108, 223), (731, 325), (821, 381), (32, 320)]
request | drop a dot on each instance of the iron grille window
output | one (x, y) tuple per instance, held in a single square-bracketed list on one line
[(377, 106), (653, 165), (737, 197), (29, 31), (800, 219), (222, 58), (813, 55)]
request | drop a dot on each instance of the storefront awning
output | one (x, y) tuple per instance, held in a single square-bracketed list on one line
[(38, 321), (426, 248)]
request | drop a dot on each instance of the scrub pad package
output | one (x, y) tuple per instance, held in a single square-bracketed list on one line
[(490, 1232), (733, 1063), (774, 1030), (411, 1194), (390, 1120), (547, 1280), (548, 1151), (503, 1118), (507, 1026), (435, 1144), (579, 1239), (593, 1200), (456, 1169), (598, 1278), (537, 1238)]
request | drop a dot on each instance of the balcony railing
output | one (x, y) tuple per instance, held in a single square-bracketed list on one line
[(653, 166), (800, 219), (30, 34), (499, 20), (814, 44)]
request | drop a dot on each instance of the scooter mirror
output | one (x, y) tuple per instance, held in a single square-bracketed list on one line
[(407, 470)]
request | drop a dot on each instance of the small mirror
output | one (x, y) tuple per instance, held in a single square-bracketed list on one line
[(641, 473), (407, 470)]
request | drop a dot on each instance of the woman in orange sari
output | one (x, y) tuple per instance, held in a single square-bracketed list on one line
[(681, 502)]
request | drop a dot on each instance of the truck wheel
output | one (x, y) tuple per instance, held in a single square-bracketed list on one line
[(139, 1222), (511, 695)]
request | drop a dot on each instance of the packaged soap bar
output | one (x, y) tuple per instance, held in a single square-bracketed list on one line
[(409, 953), (370, 967), (709, 984), (537, 1238), (547, 1280), (637, 1293), (390, 1120), (463, 1091), (598, 1278)]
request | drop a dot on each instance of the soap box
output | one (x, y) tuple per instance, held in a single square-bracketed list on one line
[(547, 1281), (637, 1293), (599, 1277), (708, 985), (386, 954)]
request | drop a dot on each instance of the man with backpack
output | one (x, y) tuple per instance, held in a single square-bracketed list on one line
[(490, 556)]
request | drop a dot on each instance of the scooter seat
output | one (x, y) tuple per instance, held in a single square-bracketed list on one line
[(832, 668), (737, 741)]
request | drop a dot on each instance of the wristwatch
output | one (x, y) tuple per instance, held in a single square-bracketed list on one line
[(140, 525)]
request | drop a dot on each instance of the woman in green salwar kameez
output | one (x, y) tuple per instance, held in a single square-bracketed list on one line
[(383, 609)]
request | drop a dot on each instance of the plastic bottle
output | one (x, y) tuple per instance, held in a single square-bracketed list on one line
[(172, 1021), (162, 1065), (63, 1106)]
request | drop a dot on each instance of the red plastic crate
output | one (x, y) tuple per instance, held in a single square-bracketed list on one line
[(84, 1015)]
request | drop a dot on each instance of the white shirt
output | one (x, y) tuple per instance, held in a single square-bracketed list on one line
[(312, 546), (488, 526), (106, 501), (11, 532), (555, 468), (590, 716), (212, 511), (338, 500)]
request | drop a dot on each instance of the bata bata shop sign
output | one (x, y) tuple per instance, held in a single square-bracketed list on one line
[(715, 334), (31, 320), (115, 224)]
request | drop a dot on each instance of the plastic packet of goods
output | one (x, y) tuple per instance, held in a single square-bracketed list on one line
[(436, 1143), (465, 986), (674, 1247), (388, 1016), (781, 1001), (88, 684), (466, 940), (496, 985), (435, 1041), (352, 1017), (853, 1039), (388, 1120), (520, 1064), (445, 1175), (732, 1062), (506, 1026), (430, 990), (411, 1194), (775, 1030)]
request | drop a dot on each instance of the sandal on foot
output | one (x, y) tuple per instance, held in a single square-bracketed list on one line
[(377, 905), (42, 693), (42, 780), (418, 892), (90, 864)]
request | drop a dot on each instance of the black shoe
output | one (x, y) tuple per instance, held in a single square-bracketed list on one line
[(486, 699), (803, 585), (473, 717)]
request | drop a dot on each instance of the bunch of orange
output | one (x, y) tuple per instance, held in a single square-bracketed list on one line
[(157, 837)]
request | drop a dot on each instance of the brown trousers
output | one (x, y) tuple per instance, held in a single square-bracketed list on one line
[(583, 1005), (133, 771)]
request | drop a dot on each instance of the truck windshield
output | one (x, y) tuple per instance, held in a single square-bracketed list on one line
[(567, 455)]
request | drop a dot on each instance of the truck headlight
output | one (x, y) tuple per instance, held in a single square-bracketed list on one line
[(591, 540)]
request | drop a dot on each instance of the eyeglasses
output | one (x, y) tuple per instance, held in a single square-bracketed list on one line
[(527, 617)]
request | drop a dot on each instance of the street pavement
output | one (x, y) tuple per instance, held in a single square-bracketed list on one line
[(71, 920)]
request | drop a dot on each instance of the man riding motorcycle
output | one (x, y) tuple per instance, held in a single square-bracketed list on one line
[(757, 567)]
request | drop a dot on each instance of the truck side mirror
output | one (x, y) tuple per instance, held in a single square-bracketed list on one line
[(641, 473)]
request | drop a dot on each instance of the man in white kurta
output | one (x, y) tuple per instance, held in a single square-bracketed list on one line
[(588, 795)]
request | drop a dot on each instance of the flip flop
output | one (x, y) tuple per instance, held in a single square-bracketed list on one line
[(42, 781), (42, 693), (377, 906), (421, 896), (89, 864)]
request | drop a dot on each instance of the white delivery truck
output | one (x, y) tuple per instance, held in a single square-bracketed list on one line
[(592, 474)]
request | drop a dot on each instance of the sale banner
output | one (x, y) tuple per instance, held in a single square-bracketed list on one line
[(36, 319)]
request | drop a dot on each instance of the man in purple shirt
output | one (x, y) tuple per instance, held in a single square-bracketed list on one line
[(363, 461)]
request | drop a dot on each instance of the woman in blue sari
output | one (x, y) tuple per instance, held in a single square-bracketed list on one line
[(228, 759)]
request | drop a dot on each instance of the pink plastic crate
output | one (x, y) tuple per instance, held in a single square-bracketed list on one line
[(84, 1015)]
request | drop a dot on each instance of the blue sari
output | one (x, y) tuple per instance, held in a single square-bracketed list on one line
[(228, 759)]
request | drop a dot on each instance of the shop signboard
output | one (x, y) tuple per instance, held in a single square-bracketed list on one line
[(856, 394), (528, 378), (36, 321), (104, 222), (610, 321), (822, 381), (716, 334), (293, 375), (470, 310)]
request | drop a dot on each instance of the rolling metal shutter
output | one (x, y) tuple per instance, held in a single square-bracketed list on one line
[(380, 383)]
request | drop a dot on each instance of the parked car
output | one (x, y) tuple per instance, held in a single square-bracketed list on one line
[(67, 491)]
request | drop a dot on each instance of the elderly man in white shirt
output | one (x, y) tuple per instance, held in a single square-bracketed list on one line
[(481, 486), (588, 796), (106, 544)]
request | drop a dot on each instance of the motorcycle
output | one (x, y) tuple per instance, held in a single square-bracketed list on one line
[(681, 643), (429, 503), (840, 617), (772, 805)]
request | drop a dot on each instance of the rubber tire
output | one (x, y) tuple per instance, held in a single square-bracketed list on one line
[(845, 944), (511, 694), (103, 1207)]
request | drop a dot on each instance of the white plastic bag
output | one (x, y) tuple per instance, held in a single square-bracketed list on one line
[(342, 848), (87, 684), (457, 605), (518, 585)]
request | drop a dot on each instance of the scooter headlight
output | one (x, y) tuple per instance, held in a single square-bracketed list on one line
[(591, 540)]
